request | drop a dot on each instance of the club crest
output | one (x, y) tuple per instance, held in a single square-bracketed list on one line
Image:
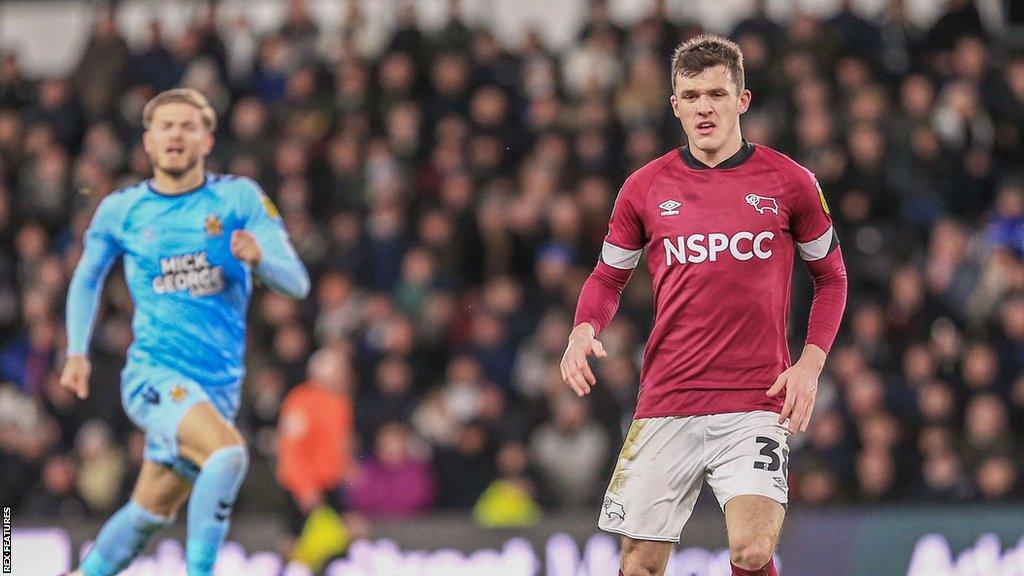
[(214, 227), (763, 203), (178, 394), (613, 509)]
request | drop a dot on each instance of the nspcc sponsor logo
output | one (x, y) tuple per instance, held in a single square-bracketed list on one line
[(698, 248)]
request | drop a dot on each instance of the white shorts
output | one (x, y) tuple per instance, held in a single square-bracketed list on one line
[(662, 462)]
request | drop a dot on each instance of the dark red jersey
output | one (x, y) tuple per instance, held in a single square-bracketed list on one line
[(720, 244)]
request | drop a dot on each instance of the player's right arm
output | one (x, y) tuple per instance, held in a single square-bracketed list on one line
[(101, 250), (265, 246), (599, 298)]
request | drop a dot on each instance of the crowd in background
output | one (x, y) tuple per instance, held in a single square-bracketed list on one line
[(449, 195)]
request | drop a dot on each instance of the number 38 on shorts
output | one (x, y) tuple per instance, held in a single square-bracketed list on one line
[(664, 462)]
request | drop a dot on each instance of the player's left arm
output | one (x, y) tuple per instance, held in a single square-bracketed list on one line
[(263, 244), (101, 248), (818, 245)]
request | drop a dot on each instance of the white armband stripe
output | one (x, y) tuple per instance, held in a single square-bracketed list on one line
[(620, 258), (818, 248)]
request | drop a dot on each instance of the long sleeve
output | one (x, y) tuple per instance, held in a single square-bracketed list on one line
[(818, 245), (620, 254), (599, 298), (830, 286), (279, 267), (99, 254)]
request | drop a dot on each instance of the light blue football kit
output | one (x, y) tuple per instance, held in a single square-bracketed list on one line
[(191, 296)]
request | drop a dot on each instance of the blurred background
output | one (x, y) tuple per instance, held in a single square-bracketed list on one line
[(446, 170)]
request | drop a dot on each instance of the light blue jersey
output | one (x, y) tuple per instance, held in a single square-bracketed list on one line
[(190, 293)]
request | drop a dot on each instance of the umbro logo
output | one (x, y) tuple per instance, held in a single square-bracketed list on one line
[(668, 207)]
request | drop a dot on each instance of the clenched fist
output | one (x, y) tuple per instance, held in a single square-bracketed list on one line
[(75, 376), (245, 247)]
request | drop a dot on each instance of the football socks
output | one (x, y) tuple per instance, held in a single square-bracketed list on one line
[(209, 509), (121, 539)]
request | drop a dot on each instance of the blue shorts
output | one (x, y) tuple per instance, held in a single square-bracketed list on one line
[(156, 399)]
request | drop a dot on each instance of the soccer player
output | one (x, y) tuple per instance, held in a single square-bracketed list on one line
[(720, 220), (191, 243)]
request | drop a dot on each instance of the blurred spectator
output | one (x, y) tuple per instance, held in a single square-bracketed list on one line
[(572, 454), (263, 398), (960, 19), (390, 399), (315, 436), (55, 496), (101, 72), (15, 90), (814, 482), (465, 469), (509, 501), (392, 483), (943, 478), (156, 65), (100, 466), (998, 478), (26, 434), (876, 475), (27, 361)]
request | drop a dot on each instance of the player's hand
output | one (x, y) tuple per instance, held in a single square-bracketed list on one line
[(245, 247), (576, 371), (75, 376), (801, 384)]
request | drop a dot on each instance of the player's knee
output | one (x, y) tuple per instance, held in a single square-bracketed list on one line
[(167, 510), (233, 460), (752, 554), (640, 567), (199, 445), (149, 517), (232, 437), (635, 562)]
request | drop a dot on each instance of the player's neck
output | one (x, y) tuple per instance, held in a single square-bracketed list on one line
[(172, 185), (713, 158)]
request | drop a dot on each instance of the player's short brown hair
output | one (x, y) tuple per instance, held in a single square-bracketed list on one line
[(184, 96), (707, 51)]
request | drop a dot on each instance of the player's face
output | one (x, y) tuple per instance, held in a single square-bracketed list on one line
[(708, 106), (177, 140)]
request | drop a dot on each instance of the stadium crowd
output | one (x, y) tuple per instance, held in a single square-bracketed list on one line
[(450, 194)]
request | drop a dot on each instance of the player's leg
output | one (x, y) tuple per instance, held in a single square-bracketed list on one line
[(644, 557), (206, 438), (753, 523), (158, 491), (747, 469), (653, 490), (158, 494)]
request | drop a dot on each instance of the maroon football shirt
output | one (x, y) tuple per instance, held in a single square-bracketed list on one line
[(720, 244)]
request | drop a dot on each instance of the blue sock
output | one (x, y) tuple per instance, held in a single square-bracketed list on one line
[(121, 539), (209, 508)]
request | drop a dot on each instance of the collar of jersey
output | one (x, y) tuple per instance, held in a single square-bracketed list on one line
[(742, 155), (149, 184)]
